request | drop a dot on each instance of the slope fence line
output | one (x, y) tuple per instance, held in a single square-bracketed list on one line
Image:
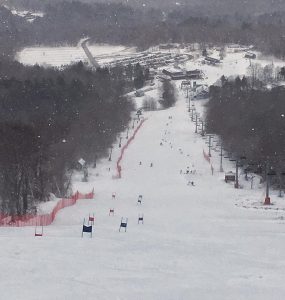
[(119, 167), (42, 220)]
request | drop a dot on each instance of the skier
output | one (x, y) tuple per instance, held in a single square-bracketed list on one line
[(151, 165), (140, 199)]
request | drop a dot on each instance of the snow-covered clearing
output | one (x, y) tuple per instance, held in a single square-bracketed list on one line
[(197, 242), (60, 56)]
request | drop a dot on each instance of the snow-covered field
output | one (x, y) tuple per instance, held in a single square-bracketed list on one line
[(51, 56), (30, 16), (60, 56), (197, 242)]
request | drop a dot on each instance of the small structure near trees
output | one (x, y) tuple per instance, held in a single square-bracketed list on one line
[(211, 60), (250, 55), (230, 176)]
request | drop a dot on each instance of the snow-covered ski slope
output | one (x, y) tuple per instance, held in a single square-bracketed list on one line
[(208, 241), (194, 243)]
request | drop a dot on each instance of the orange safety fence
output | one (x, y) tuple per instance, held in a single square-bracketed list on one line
[(42, 220), (119, 167)]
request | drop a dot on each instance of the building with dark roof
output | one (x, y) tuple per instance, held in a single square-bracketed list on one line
[(179, 74), (211, 60), (250, 55)]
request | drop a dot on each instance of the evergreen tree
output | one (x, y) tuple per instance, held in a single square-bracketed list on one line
[(139, 78), (168, 94)]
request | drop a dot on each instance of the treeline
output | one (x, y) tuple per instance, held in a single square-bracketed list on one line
[(207, 7), (49, 120), (250, 121), (118, 23), (14, 33), (265, 32), (68, 22)]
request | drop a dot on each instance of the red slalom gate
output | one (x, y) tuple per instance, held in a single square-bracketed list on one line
[(119, 167), (42, 220)]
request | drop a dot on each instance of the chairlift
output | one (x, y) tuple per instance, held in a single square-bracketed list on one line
[(271, 173)]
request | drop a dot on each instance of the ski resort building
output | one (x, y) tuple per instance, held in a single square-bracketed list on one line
[(250, 55), (211, 60), (176, 74)]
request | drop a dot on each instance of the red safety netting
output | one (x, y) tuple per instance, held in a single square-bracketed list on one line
[(42, 220), (119, 168)]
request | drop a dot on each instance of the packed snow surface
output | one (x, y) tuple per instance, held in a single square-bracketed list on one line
[(194, 243), (197, 242)]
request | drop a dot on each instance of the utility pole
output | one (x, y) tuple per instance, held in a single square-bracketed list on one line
[(210, 140), (281, 183), (192, 115), (202, 132), (236, 183), (221, 159), (196, 123), (267, 198), (237, 165), (110, 156), (188, 103)]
